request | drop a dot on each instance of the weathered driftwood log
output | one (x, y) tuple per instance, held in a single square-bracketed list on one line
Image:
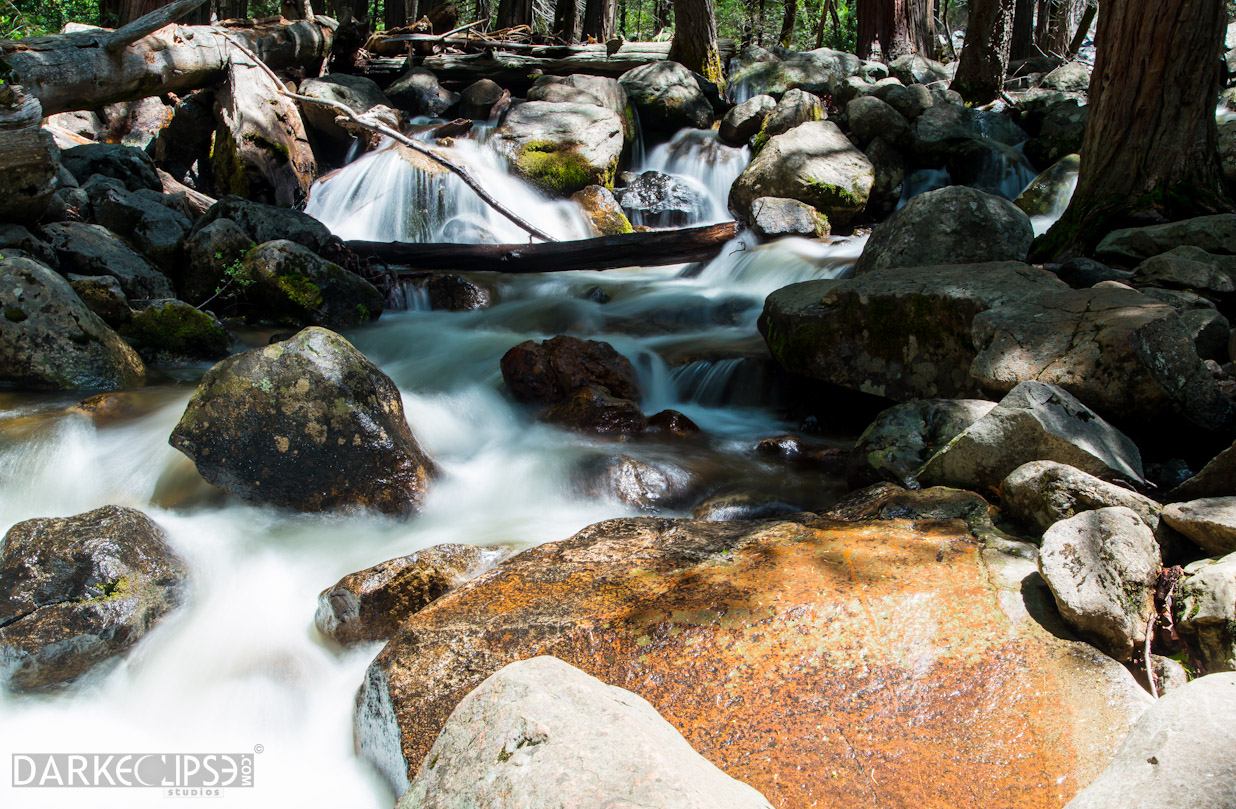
[(29, 157), (647, 249), (87, 70)]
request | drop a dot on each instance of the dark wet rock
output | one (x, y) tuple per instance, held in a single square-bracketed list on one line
[(909, 100), (728, 507), (94, 250), (1181, 753), (561, 147), (1123, 354), (1051, 190), (1216, 479), (1042, 493), (131, 166), (592, 409), (170, 330), (773, 217), (1210, 331), (264, 223), (898, 333), (1033, 422), (953, 225), (142, 218), (1210, 523), (455, 293), (103, 296), (546, 373), (1083, 273), (659, 200), (944, 128), (790, 447), (1206, 611), (813, 163), (81, 590), (646, 485), (289, 283), (1061, 132), (477, 99), (1214, 234), (309, 424), (1102, 566), (369, 605), (671, 422), (418, 92), (871, 118), (18, 242), (50, 340), (602, 210), (667, 97), (540, 732), (904, 437), (744, 120), (889, 166), (635, 601), (213, 256)]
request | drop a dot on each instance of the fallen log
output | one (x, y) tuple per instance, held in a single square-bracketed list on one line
[(87, 70), (647, 249)]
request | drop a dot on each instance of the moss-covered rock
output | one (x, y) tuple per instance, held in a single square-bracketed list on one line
[(308, 424), (602, 211), (287, 283), (170, 330), (562, 147)]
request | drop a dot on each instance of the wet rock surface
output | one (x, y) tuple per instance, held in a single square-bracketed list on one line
[(545, 373), (288, 283)]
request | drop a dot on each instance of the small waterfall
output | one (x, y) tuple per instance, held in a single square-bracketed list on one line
[(409, 296), (699, 158)]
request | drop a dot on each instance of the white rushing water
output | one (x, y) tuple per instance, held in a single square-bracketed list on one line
[(241, 664)]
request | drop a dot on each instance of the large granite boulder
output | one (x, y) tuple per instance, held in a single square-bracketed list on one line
[(1102, 566), (128, 164), (1206, 611), (540, 732), (1209, 522), (1042, 493), (308, 424), (1034, 422), (813, 163), (51, 341), (1215, 234), (1216, 479), (795, 107), (142, 217), (288, 283), (171, 330), (582, 88), (265, 223), (952, 225), (898, 333), (782, 650), (902, 438), (418, 91), (744, 120), (212, 258), (561, 147), (81, 590), (667, 97), (871, 118), (1127, 356)]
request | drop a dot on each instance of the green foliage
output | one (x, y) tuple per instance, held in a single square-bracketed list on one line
[(28, 18)]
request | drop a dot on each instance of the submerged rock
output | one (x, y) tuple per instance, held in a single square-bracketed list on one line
[(81, 590), (369, 605), (659, 200), (785, 620), (647, 486), (308, 424)]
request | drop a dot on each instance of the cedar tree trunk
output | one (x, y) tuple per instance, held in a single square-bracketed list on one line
[(899, 26), (985, 55), (695, 39)]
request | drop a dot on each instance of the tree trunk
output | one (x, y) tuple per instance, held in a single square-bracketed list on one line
[(565, 14), (695, 39), (514, 12), (394, 14), (1022, 44), (1083, 28), (787, 23), (91, 69), (660, 15), (985, 55), (1059, 27), (600, 17), (1149, 153), (900, 27)]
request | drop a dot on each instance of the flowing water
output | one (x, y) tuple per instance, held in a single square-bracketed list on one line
[(241, 664)]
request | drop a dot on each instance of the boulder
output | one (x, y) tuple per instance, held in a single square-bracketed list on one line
[(357, 93), (265, 223), (582, 88), (819, 71), (952, 225), (871, 118), (81, 590), (288, 283), (51, 341), (898, 333), (540, 732), (889, 166), (902, 438), (1209, 522), (1210, 332), (172, 330), (1051, 190), (31, 175), (1071, 77), (742, 506), (1083, 273), (261, 151), (672, 423), (18, 242), (602, 210), (308, 424), (1034, 422), (561, 147), (787, 621), (131, 166), (1061, 133), (1216, 479), (773, 217), (812, 163), (1102, 566), (1206, 611), (1181, 753), (1227, 150), (417, 91), (454, 293), (1214, 234), (1188, 267), (658, 200), (103, 296), (369, 605), (1042, 493), (909, 100), (943, 128), (667, 97), (795, 107), (213, 256), (546, 373), (85, 249), (478, 98), (744, 120), (649, 486), (593, 409), (913, 68), (142, 218), (1127, 356)]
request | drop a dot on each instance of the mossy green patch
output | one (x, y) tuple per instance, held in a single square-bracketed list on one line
[(559, 169), (177, 328)]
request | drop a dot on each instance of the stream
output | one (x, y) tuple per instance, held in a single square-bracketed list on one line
[(241, 666)]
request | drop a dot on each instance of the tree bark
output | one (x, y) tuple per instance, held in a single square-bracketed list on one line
[(985, 55), (600, 17), (660, 15), (1083, 28), (695, 39), (1022, 44), (1149, 152), (788, 19), (1056, 29), (514, 12), (899, 27), (565, 14), (394, 15), (87, 71), (651, 248)]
